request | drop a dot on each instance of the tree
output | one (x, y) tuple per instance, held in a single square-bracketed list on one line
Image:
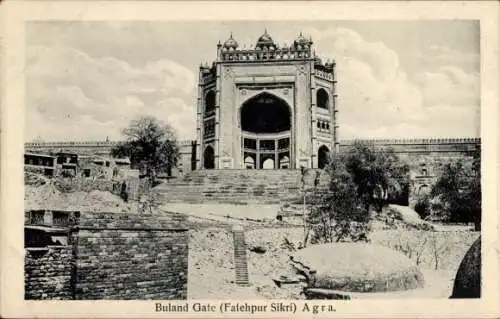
[(379, 175), (360, 179), (457, 192), (150, 145)]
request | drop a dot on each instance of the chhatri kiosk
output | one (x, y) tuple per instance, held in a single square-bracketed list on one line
[(268, 107)]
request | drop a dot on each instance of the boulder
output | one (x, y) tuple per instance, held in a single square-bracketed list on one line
[(467, 282), (409, 217), (357, 267)]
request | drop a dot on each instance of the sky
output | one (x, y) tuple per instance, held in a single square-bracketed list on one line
[(397, 79)]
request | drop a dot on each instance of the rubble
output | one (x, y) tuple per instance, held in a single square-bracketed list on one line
[(47, 197)]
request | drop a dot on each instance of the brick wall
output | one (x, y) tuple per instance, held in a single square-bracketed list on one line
[(112, 256), (47, 273), (130, 256)]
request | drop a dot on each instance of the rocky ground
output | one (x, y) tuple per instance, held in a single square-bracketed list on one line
[(212, 274), (211, 270)]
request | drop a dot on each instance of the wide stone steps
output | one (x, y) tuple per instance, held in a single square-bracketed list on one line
[(240, 258), (245, 186)]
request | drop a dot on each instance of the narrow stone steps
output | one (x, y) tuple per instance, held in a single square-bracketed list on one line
[(240, 257)]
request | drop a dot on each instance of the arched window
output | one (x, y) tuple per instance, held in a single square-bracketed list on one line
[(284, 162), (249, 162), (322, 99), (323, 156), (209, 158), (268, 164), (209, 102)]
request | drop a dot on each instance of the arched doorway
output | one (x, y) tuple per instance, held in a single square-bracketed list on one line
[(266, 122), (423, 191), (265, 113), (323, 156), (209, 158)]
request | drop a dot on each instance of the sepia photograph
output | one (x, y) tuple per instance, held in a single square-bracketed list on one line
[(235, 160)]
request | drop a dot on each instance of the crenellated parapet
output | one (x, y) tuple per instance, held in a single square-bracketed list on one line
[(78, 147), (415, 141), (70, 143), (208, 74), (324, 75), (283, 54), (266, 49), (422, 147)]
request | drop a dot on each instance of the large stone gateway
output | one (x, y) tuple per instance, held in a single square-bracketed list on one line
[(268, 107)]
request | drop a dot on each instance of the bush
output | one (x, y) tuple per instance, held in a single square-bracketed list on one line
[(360, 180), (423, 207), (457, 193)]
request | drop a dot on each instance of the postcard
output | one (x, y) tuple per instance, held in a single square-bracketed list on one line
[(249, 159)]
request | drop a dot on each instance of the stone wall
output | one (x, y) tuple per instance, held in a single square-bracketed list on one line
[(47, 273), (425, 157), (112, 256), (81, 148), (131, 256)]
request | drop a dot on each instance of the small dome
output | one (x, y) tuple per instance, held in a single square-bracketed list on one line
[(231, 43), (265, 40), (302, 41)]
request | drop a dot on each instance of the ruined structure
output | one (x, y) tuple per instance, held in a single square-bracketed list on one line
[(133, 257)]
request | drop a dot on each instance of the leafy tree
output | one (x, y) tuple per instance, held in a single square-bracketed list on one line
[(379, 175), (423, 206), (150, 145), (457, 192), (361, 179)]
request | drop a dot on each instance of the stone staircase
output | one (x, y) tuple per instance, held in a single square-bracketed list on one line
[(238, 186), (240, 257)]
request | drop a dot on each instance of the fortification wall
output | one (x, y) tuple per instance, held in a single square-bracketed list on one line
[(425, 157), (80, 148), (409, 146), (437, 145)]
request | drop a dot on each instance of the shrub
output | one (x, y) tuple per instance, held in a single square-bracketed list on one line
[(457, 193), (360, 180), (423, 207)]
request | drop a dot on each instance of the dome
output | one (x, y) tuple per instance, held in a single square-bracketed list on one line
[(231, 43), (301, 40), (265, 40)]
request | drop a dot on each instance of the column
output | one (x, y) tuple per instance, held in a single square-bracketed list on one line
[(276, 157)]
